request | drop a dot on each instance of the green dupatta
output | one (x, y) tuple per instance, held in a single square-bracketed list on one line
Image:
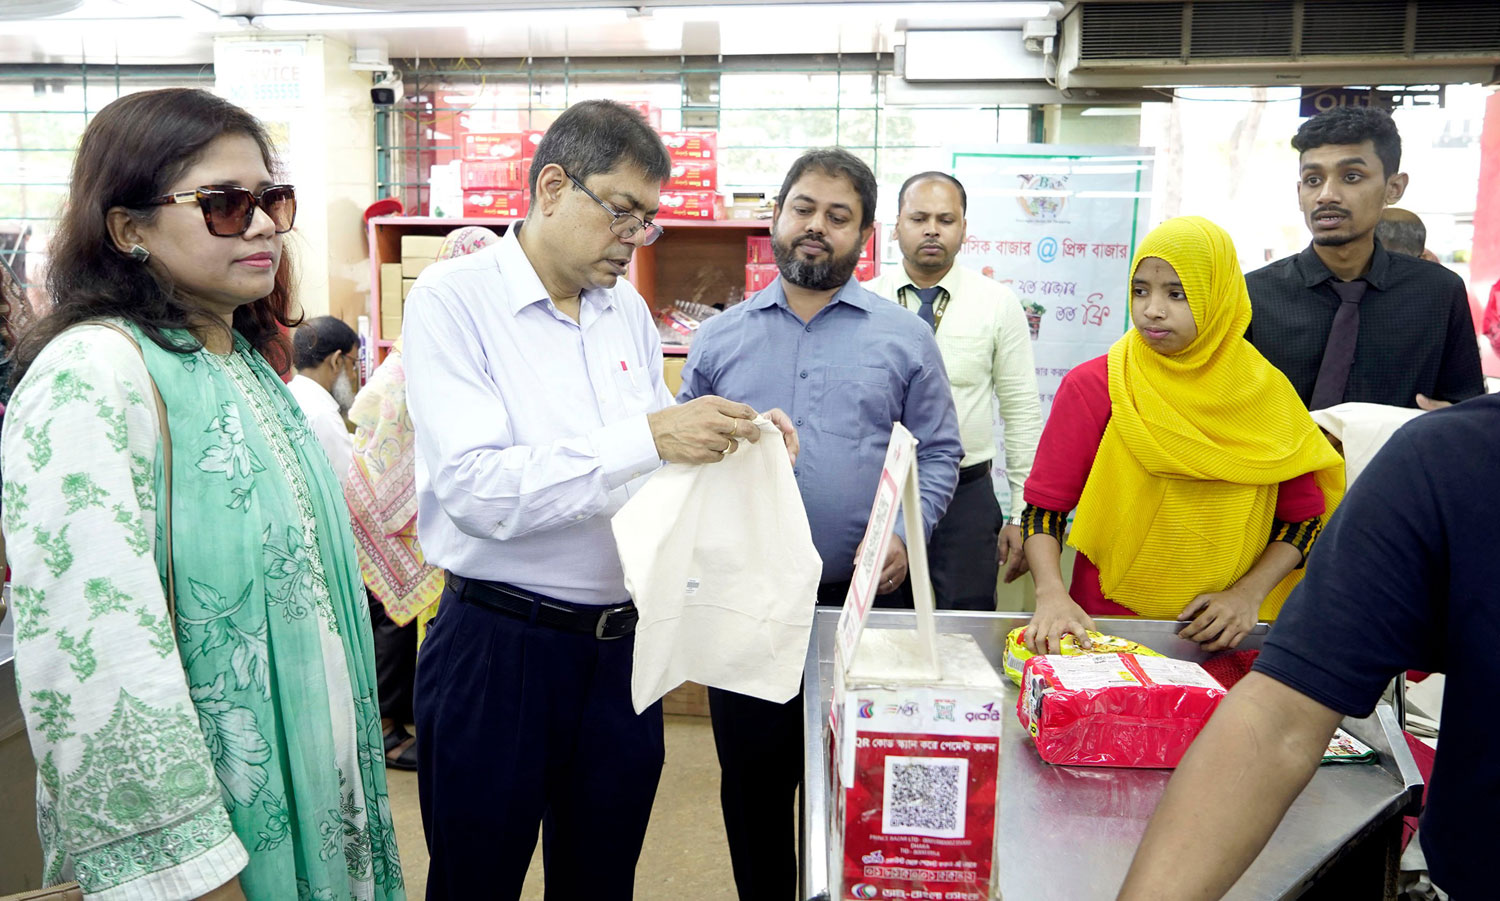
[(273, 630)]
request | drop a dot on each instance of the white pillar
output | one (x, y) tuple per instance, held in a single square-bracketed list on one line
[(319, 115)]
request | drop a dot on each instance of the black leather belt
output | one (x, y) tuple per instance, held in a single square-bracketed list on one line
[(615, 621), (973, 473)]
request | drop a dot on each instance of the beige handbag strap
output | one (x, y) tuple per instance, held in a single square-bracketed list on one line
[(166, 460)]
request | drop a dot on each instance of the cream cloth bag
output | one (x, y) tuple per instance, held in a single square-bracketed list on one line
[(720, 561), (1363, 429)]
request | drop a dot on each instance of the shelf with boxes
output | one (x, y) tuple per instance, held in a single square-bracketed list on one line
[(709, 262)]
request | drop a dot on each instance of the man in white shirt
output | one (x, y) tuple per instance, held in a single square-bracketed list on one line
[(986, 347), (535, 386), (326, 354)]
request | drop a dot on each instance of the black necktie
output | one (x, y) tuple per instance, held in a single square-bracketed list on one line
[(1338, 354), (927, 296)]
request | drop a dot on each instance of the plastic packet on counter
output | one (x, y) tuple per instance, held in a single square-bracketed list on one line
[(1123, 710), (1345, 748), (1016, 653)]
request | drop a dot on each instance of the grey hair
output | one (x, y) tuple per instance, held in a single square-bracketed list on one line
[(1408, 236), (597, 136)]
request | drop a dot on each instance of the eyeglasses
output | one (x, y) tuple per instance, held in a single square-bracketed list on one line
[(228, 210), (624, 225)]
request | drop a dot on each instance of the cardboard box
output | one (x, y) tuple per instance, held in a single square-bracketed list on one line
[(705, 205), (759, 275), (421, 246), (495, 204), (917, 762), (394, 308), (406, 286), (508, 175), (390, 285), (411, 267), (758, 249), (693, 175), (390, 327), (691, 145), (500, 145), (671, 371)]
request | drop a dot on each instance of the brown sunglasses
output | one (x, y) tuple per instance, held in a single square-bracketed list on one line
[(228, 210)]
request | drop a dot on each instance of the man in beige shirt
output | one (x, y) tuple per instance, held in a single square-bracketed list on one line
[(986, 347)]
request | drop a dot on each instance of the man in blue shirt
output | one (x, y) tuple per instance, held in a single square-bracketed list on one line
[(845, 365), (1405, 577)]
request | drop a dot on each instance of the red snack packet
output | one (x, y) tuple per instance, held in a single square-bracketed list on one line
[(1115, 709)]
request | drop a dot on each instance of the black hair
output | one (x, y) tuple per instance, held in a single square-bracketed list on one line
[(321, 337), (595, 136), (963, 196), (835, 161), (131, 151), (1353, 125)]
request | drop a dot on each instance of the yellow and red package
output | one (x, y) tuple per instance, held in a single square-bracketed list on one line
[(1119, 710), (1016, 653)]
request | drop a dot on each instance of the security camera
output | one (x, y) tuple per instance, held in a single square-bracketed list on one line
[(387, 89)]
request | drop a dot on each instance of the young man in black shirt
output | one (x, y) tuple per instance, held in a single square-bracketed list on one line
[(1405, 577), (1344, 320)]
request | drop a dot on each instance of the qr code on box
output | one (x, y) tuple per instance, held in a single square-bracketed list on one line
[(925, 796)]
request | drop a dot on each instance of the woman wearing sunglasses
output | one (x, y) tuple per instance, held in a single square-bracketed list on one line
[(192, 644)]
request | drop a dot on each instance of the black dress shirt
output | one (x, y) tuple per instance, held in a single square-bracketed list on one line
[(1416, 334)]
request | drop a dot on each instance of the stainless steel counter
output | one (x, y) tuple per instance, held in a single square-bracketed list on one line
[(1068, 833)]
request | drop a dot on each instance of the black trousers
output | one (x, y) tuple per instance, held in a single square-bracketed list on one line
[(520, 725), (395, 663), (760, 761), (961, 552)]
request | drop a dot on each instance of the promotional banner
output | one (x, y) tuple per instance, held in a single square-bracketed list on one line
[(1059, 225)]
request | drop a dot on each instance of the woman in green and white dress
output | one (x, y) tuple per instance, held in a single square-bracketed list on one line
[(198, 681)]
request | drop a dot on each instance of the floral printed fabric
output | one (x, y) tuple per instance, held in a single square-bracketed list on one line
[(382, 495), (257, 730)]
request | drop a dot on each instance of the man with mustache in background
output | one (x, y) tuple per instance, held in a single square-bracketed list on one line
[(986, 346), (845, 365), (1345, 320)]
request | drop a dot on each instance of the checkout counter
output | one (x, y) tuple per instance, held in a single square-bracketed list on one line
[(1069, 833)]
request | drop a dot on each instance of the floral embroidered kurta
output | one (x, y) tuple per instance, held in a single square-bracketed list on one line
[(246, 744)]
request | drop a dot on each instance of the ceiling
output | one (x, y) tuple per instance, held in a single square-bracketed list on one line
[(160, 32)]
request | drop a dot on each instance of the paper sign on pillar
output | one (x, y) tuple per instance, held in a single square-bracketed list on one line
[(915, 721), (720, 562)]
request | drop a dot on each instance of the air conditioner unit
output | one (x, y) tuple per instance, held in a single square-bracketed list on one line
[(1273, 42)]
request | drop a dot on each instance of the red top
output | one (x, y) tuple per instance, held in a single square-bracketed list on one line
[(1065, 456)]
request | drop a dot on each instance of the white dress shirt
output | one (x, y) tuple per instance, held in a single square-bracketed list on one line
[(322, 413), (530, 428), (986, 349)]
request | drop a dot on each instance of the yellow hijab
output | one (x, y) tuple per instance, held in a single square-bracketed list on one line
[(1182, 494)]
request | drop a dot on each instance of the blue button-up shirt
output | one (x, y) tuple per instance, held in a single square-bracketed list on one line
[(860, 365)]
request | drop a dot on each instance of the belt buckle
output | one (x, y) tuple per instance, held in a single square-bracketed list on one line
[(599, 626)]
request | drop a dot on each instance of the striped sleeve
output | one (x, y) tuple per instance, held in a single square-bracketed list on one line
[(1037, 521), (1299, 535)]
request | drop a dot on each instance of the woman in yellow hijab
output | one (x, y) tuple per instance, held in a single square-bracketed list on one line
[(1198, 477)]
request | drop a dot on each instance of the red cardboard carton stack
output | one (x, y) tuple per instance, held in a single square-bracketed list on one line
[(691, 190), (496, 168), (760, 264)]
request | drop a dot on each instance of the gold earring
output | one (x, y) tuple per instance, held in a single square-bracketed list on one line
[(139, 253)]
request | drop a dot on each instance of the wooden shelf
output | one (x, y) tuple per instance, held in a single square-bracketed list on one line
[(697, 261)]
